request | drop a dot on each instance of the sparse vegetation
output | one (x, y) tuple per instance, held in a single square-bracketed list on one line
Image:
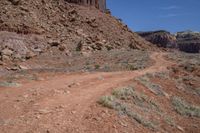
[(97, 66), (9, 84), (141, 120), (107, 101), (198, 90), (140, 99), (161, 75), (124, 93), (186, 71), (184, 108), (189, 62), (169, 121), (120, 101), (135, 66), (155, 88)]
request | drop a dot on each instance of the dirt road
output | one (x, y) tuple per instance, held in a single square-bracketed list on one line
[(58, 104)]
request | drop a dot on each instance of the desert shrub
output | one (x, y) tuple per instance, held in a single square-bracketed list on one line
[(97, 66), (161, 75), (198, 90), (9, 84), (155, 88), (169, 121), (107, 101), (184, 108), (118, 102), (141, 119), (135, 66), (124, 93)]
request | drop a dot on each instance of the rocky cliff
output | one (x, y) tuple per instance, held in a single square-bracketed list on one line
[(186, 41), (160, 38)]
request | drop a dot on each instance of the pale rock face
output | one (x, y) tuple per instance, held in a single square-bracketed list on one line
[(100, 4)]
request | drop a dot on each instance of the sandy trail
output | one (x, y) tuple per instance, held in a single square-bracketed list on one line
[(59, 104)]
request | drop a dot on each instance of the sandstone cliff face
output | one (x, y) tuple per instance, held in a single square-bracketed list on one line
[(186, 41), (160, 38)]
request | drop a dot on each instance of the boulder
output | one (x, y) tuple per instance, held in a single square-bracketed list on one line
[(30, 55), (54, 43), (15, 2), (7, 52)]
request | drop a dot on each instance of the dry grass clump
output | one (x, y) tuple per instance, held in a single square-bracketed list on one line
[(184, 108)]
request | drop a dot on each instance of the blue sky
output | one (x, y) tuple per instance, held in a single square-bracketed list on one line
[(145, 15)]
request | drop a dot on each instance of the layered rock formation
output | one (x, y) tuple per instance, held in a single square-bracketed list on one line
[(160, 38), (186, 41)]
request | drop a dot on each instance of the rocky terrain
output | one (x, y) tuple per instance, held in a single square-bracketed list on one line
[(186, 41), (60, 27), (71, 68)]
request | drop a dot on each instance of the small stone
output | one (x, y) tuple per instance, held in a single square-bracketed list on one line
[(2, 122), (17, 56), (54, 43), (23, 67), (62, 48), (25, 96), (73, 112), (15, 68), (68, 92), (180, 128), (5, 58), (1, 63), (101, 78), (79, 45), (114, 126), (37, 116), (30, 55), (123, 124), (38, 50), (44, 111), (97, 118)]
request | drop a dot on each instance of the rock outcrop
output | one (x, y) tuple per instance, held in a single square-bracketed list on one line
[(160, 38), (186, 41)]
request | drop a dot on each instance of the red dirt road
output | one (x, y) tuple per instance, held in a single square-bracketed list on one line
[(59, 103)]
